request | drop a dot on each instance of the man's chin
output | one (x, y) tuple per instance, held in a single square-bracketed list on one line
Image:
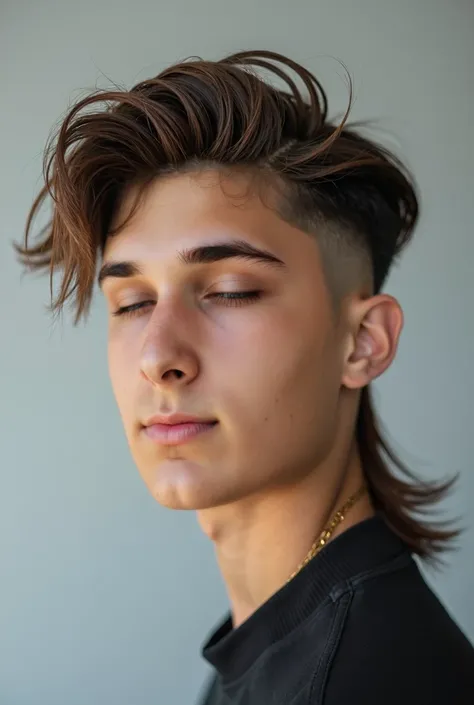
[(182, 484)]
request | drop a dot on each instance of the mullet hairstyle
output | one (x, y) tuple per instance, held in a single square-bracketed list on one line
[(223, 114)]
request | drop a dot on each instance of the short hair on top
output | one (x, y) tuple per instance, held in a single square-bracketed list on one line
[(354, 195)]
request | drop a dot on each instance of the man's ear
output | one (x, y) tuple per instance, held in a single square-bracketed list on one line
[(376, 324)]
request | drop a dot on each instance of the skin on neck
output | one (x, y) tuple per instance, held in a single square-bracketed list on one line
[(281, 373), (260, 542)]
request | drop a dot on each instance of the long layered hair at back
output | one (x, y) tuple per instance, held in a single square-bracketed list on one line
[(224, 113)]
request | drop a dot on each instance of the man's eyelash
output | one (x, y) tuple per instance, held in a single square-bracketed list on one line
[(132, 309), (233, 298)]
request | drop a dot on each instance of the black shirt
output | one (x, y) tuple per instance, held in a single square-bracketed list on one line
[(357, 626)]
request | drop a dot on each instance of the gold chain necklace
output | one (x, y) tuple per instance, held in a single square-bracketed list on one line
[(326, 534)]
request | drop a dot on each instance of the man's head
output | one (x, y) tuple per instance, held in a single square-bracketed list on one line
[(275, 369), (156, 187)]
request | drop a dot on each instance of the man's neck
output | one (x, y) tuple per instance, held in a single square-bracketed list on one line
[(261, 540)]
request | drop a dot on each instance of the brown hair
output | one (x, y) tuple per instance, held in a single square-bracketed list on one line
[(197, 113)]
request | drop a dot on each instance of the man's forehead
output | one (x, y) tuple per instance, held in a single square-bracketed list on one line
[(211, 187), (188, 211)]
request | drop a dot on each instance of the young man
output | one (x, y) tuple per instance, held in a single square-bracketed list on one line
[(242, 243)]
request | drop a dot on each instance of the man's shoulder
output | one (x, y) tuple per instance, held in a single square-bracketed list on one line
[(396, 604), (399, 641)]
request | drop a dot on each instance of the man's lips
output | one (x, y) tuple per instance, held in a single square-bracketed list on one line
[(176, 418), (177, 433)]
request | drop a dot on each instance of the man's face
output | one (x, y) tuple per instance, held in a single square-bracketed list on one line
[(267, 368)]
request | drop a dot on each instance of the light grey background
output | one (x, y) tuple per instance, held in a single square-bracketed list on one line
[(105, 596)]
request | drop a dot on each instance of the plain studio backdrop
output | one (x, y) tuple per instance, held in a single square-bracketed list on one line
[(105, 596)]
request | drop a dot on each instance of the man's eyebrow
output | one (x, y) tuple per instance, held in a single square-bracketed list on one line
[(203, 254)]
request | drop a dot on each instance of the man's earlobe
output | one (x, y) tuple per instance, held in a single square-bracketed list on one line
[(376, 341)]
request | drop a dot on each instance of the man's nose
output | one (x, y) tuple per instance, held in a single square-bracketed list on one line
[(168, 356)]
